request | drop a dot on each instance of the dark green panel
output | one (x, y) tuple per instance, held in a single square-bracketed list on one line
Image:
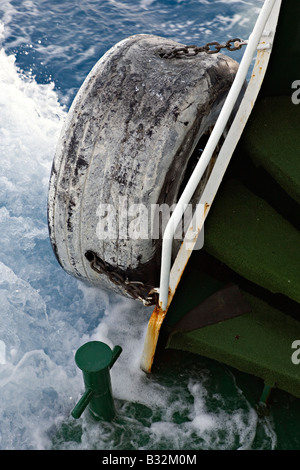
[(259, 343), (272, 140), (248, 235), (284, 66)]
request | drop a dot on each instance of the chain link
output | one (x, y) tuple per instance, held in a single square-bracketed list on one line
[(190, 51), (135, 289)]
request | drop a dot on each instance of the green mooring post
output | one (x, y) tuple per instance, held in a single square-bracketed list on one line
[(95, 359)]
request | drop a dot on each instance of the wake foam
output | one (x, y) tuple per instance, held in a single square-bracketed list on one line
[(46, 315)]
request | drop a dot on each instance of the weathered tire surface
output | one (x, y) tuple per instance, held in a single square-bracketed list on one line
[(130, 132)]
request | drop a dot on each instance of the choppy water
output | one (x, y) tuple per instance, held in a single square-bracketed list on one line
[(47, 49)]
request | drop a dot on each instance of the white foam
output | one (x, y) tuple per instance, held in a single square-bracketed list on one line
[(2, 352), (46, 315)]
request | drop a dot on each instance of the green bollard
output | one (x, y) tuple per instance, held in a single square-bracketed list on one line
[(95, 359)]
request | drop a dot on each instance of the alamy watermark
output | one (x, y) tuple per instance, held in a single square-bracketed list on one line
[(136, 221), (295, 358), (296, 93)]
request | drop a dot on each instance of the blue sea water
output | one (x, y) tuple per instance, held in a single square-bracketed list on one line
[(47, 47)]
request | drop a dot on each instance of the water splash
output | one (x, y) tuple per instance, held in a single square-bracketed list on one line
[(46, 315)]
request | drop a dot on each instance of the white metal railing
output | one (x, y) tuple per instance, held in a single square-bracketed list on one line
[(212, 142)]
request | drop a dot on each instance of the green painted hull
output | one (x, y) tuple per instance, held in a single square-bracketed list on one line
[(252, 235), (234, 357)]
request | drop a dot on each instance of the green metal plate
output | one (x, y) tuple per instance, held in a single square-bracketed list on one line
[(248, 235), (272, 141), (259, 343)]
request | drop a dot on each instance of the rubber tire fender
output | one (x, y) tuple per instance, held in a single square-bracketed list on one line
[(128, 139)]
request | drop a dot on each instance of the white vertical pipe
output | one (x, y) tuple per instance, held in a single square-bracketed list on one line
[(208, 151)]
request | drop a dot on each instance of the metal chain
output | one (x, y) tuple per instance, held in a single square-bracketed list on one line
[(190, 51), (135, 289)]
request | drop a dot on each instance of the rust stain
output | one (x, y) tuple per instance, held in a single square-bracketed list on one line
[(157, 312), (153, 330), (206, 207)]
